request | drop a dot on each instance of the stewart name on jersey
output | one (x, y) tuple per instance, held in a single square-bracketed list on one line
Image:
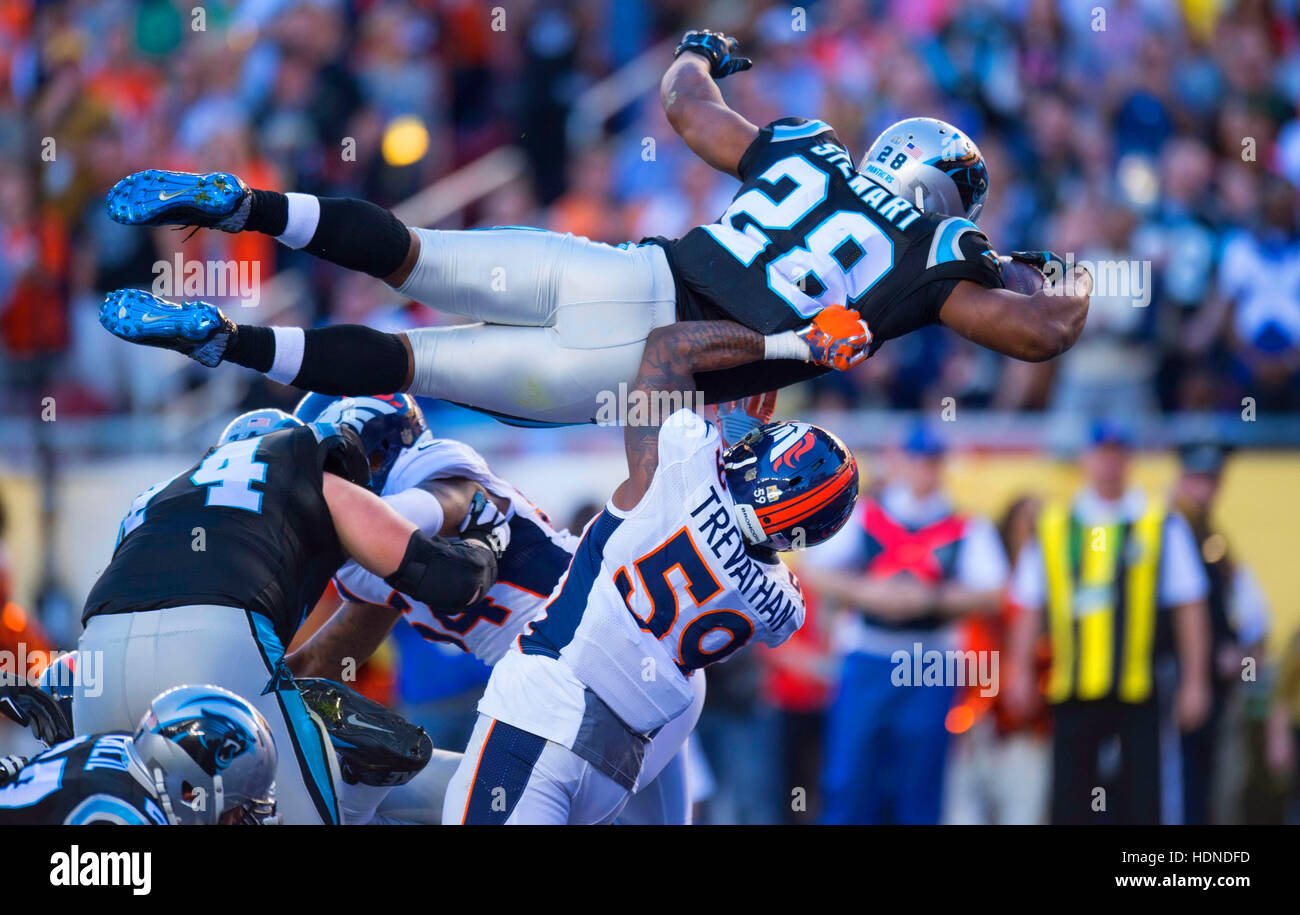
[(805, 231)]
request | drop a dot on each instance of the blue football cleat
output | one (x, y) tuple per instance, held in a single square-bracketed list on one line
[(160, 198), (196, 329)]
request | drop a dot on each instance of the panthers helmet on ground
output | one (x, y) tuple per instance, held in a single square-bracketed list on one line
[(255, 423), (793, 483), (210, 754), (929, 163), (386, 424)]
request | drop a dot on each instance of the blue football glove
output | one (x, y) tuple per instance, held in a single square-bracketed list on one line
[(718, 48), (484, 523), (738, 418)]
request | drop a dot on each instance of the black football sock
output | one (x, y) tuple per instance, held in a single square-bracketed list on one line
[(251, 346), (268, 212), (352, 233), (358, 235), (342, 360)]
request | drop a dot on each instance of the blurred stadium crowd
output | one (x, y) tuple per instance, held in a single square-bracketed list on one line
[(1164, 132)]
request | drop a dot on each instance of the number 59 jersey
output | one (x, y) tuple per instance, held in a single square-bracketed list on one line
[(807, 230), (664, 589), (245, 527)]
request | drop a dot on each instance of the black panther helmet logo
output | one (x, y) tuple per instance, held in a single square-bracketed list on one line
[(212, 741)]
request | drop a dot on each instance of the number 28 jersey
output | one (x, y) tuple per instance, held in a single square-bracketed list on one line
[(805, 231), (660, 591)]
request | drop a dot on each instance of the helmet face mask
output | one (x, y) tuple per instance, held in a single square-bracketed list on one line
[(793, 485), (932, 165)]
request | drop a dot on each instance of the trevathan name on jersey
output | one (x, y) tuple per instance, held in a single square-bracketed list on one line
[(652, 595)]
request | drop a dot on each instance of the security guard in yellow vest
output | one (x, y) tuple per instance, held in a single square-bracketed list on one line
[(1116, 580)]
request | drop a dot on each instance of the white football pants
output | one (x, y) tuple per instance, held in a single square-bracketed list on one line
[(527, 780), (563, 319)]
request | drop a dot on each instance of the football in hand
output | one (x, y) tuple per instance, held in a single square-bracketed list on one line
[(1021, 277)]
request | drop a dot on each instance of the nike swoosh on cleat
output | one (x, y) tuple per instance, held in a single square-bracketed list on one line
[(150, 319), (163, 195), (355, 722)]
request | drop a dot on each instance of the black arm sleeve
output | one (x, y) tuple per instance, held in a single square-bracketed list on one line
[(445, 574)]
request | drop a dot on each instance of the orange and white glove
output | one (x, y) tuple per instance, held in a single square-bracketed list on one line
[(837, 338), (737, 418)]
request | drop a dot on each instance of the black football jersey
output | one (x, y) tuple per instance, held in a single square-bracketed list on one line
[(89, 780), (247, 526), (806, 230)]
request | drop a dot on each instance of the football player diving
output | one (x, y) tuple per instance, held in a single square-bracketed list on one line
[(560, 319)]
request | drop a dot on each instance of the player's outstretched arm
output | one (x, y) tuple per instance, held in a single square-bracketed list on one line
[(672, 356), (1033, 328), (441, 573), (837, 338), (454, 498), (694, 106), (353, 633)]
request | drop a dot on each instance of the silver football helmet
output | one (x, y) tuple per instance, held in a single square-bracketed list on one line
[(210, 755), (931, 164), (255, 423)]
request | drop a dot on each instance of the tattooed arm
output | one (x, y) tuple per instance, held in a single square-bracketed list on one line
[(673, 354)]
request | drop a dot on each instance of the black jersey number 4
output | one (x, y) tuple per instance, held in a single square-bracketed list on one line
[(227, 473)]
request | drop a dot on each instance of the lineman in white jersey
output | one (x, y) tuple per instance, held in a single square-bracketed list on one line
[(430, 483), (678, 571)]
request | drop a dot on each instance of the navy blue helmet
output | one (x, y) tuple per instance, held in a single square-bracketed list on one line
[(386, 424), (794, 484)]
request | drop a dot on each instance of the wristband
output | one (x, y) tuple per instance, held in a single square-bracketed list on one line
[(786, 345)]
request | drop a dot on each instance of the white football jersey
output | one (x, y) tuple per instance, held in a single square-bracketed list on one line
[(658, 592), (532, 565)]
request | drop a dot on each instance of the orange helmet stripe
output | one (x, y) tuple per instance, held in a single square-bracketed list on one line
[(786, 513)]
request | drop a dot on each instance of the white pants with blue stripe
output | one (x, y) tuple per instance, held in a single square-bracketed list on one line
[(143, 654), (509, 776), (563, 319)]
